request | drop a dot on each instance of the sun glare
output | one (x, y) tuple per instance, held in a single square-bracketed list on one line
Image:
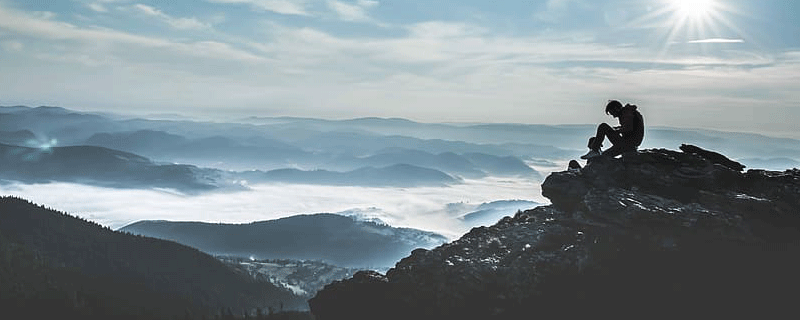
[(692, 21), (693, 8)]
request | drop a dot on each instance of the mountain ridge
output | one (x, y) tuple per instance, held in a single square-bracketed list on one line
[(96, 165), (396, 175), (324, 138), (339, 240)]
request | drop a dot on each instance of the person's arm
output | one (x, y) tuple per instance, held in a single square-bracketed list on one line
[(626, 122)]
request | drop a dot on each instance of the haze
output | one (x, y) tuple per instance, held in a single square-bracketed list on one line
[(728, 65), (421, 208), (246, 110), (437, 177)]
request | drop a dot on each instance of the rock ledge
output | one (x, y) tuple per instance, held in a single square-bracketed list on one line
[(654, 234)]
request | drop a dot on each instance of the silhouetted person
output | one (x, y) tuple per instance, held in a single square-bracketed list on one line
[(625, 138)]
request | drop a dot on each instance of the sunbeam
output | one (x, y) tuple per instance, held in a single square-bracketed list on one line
[(691, 22), (693, 9)]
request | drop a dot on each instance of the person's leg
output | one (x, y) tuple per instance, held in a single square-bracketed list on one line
[(596, 142), (592, 151), (619, 148), (614, 151), (604, 131)]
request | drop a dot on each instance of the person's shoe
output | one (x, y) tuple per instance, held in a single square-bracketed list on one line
[(591, 154)]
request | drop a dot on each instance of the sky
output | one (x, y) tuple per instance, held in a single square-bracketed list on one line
[(728, 65)]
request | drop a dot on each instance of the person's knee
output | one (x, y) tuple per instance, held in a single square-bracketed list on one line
[(604, 127)]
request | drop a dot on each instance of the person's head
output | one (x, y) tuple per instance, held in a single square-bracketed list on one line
[(614, 108)]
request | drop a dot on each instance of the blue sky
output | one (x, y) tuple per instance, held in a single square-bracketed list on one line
[(730, 65)]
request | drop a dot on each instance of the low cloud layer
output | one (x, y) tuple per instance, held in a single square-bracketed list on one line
[(423, 208)]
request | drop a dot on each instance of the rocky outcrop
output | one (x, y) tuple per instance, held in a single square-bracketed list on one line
[(654, 234)]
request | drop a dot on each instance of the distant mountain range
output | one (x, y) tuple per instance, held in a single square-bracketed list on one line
[(339, 240), (468, 165), (502, 166), (252, 151), (259, 152), (98, 166), (364, 151), (53, 265), (67, 126), (398, 175), (20, 137), (118, 169)]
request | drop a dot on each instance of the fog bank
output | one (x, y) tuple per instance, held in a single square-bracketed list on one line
[(427, 208)]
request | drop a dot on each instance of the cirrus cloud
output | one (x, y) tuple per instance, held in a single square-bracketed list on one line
[(177, 23), (44, 27), (286, 7), (353, 12)]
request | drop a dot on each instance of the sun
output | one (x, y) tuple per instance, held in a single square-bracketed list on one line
[(696, 23), (693, 9)]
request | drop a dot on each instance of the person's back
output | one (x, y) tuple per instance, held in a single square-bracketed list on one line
[(632, 118)]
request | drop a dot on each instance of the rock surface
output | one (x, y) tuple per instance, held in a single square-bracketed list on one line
[(654, 234)]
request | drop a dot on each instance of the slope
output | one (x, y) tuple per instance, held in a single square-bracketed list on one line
[(339, 240), (78, 268)]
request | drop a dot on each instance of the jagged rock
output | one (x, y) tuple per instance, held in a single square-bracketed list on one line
[(657, 233), (712, 156)]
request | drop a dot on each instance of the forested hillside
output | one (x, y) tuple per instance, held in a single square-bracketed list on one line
[(56, 265)]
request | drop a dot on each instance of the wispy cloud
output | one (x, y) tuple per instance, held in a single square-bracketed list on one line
[(177, 23), (466, 45), (96, 7), (287, 7), (100, 5), (441, 29), (792, 56), (36, 26), (447, 64), (717, 40), (80, 58), (555, 10), (11, 45), (367, 3), (353, 12)]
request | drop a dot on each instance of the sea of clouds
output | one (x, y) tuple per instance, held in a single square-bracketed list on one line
[(427, 208)]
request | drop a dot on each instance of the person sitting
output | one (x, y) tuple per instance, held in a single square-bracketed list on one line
[(625, 138)]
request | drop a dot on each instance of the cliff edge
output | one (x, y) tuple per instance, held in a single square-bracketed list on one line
[(654, 234)]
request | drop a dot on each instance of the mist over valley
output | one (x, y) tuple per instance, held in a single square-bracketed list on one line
[(403, 172), (293, 204)]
